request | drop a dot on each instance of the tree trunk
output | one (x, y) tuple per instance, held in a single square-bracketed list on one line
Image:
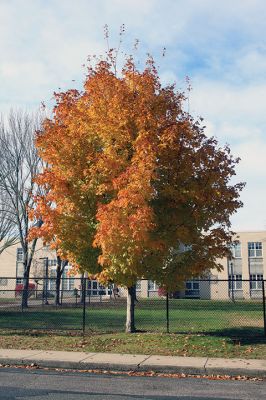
[(25, 290), (26, 274), (28, 257), (131, 297), (58, 283), (60, 267), (83, 288)]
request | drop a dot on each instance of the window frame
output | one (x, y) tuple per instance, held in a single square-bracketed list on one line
[(256, 281), (152, 286), (52, 262), (19, 257), (192, 288), (256, 249), (3, 281), (235, 282), (235, 247), (95, 288)]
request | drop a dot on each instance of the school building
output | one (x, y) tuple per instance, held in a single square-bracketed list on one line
[(245, 269)]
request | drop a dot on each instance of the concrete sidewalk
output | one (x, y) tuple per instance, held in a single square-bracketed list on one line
[(134, 362)]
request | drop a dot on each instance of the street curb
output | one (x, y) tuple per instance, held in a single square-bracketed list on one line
[(131, 362)]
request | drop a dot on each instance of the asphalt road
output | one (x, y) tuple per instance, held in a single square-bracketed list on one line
[(55, 385)]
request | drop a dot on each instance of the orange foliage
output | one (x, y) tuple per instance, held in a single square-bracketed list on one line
[(131, 178)]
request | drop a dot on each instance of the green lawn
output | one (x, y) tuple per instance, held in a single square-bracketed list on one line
[(191, 316), (197, 345)]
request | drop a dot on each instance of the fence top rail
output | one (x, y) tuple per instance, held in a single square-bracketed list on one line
[(111, 283), (40, 277)]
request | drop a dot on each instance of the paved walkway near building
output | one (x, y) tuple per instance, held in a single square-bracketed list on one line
[(133, 362)]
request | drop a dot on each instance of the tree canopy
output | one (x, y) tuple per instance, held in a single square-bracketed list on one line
[(135, 187)]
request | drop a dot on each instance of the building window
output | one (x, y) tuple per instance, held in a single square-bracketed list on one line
[(94, 288), (256, 281), (67, 282), (52, 263), (19, 254), (19, 267), (235, 282), (152, 286), (3, 281), (255, 249), (138, 286), (236, 250), (192, 288)]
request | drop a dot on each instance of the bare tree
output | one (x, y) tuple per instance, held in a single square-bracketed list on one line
[(8, 233), (20, 163), (37, 272)]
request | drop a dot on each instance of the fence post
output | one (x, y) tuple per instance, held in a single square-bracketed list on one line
[(264, 306), (84, 304), (167, 312)]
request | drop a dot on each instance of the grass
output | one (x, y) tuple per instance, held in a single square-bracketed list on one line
[(138, 343), (198, 328), (242, 318)]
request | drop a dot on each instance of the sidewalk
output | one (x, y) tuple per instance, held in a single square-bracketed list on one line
[(134, 362)]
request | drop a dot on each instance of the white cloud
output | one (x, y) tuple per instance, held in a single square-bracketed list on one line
[(222, 48), (253, 161), (252, 216), (251, 64), (231, 133), (224, 102), (235, 115)]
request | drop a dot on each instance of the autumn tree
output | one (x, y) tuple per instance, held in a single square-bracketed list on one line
[(133, 180)]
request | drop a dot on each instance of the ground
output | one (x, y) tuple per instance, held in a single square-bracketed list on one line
[(140, 343), (197, 328)]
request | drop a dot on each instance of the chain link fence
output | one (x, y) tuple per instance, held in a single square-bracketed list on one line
[(218, 307)]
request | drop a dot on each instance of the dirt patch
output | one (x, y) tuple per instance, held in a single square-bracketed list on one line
[(245, 321)]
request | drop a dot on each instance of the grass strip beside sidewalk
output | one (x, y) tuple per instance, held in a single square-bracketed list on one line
[(139, 343)]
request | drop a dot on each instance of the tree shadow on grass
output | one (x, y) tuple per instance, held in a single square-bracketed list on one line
[(242, 335), (239, 335), (40, 332)]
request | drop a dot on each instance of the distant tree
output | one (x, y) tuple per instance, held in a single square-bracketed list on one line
[(132, 178), (38, 273), (8, 233), (20, 164), (60, 269), (49, 237)]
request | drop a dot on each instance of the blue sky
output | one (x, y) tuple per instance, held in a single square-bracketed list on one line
[(220, 45)]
